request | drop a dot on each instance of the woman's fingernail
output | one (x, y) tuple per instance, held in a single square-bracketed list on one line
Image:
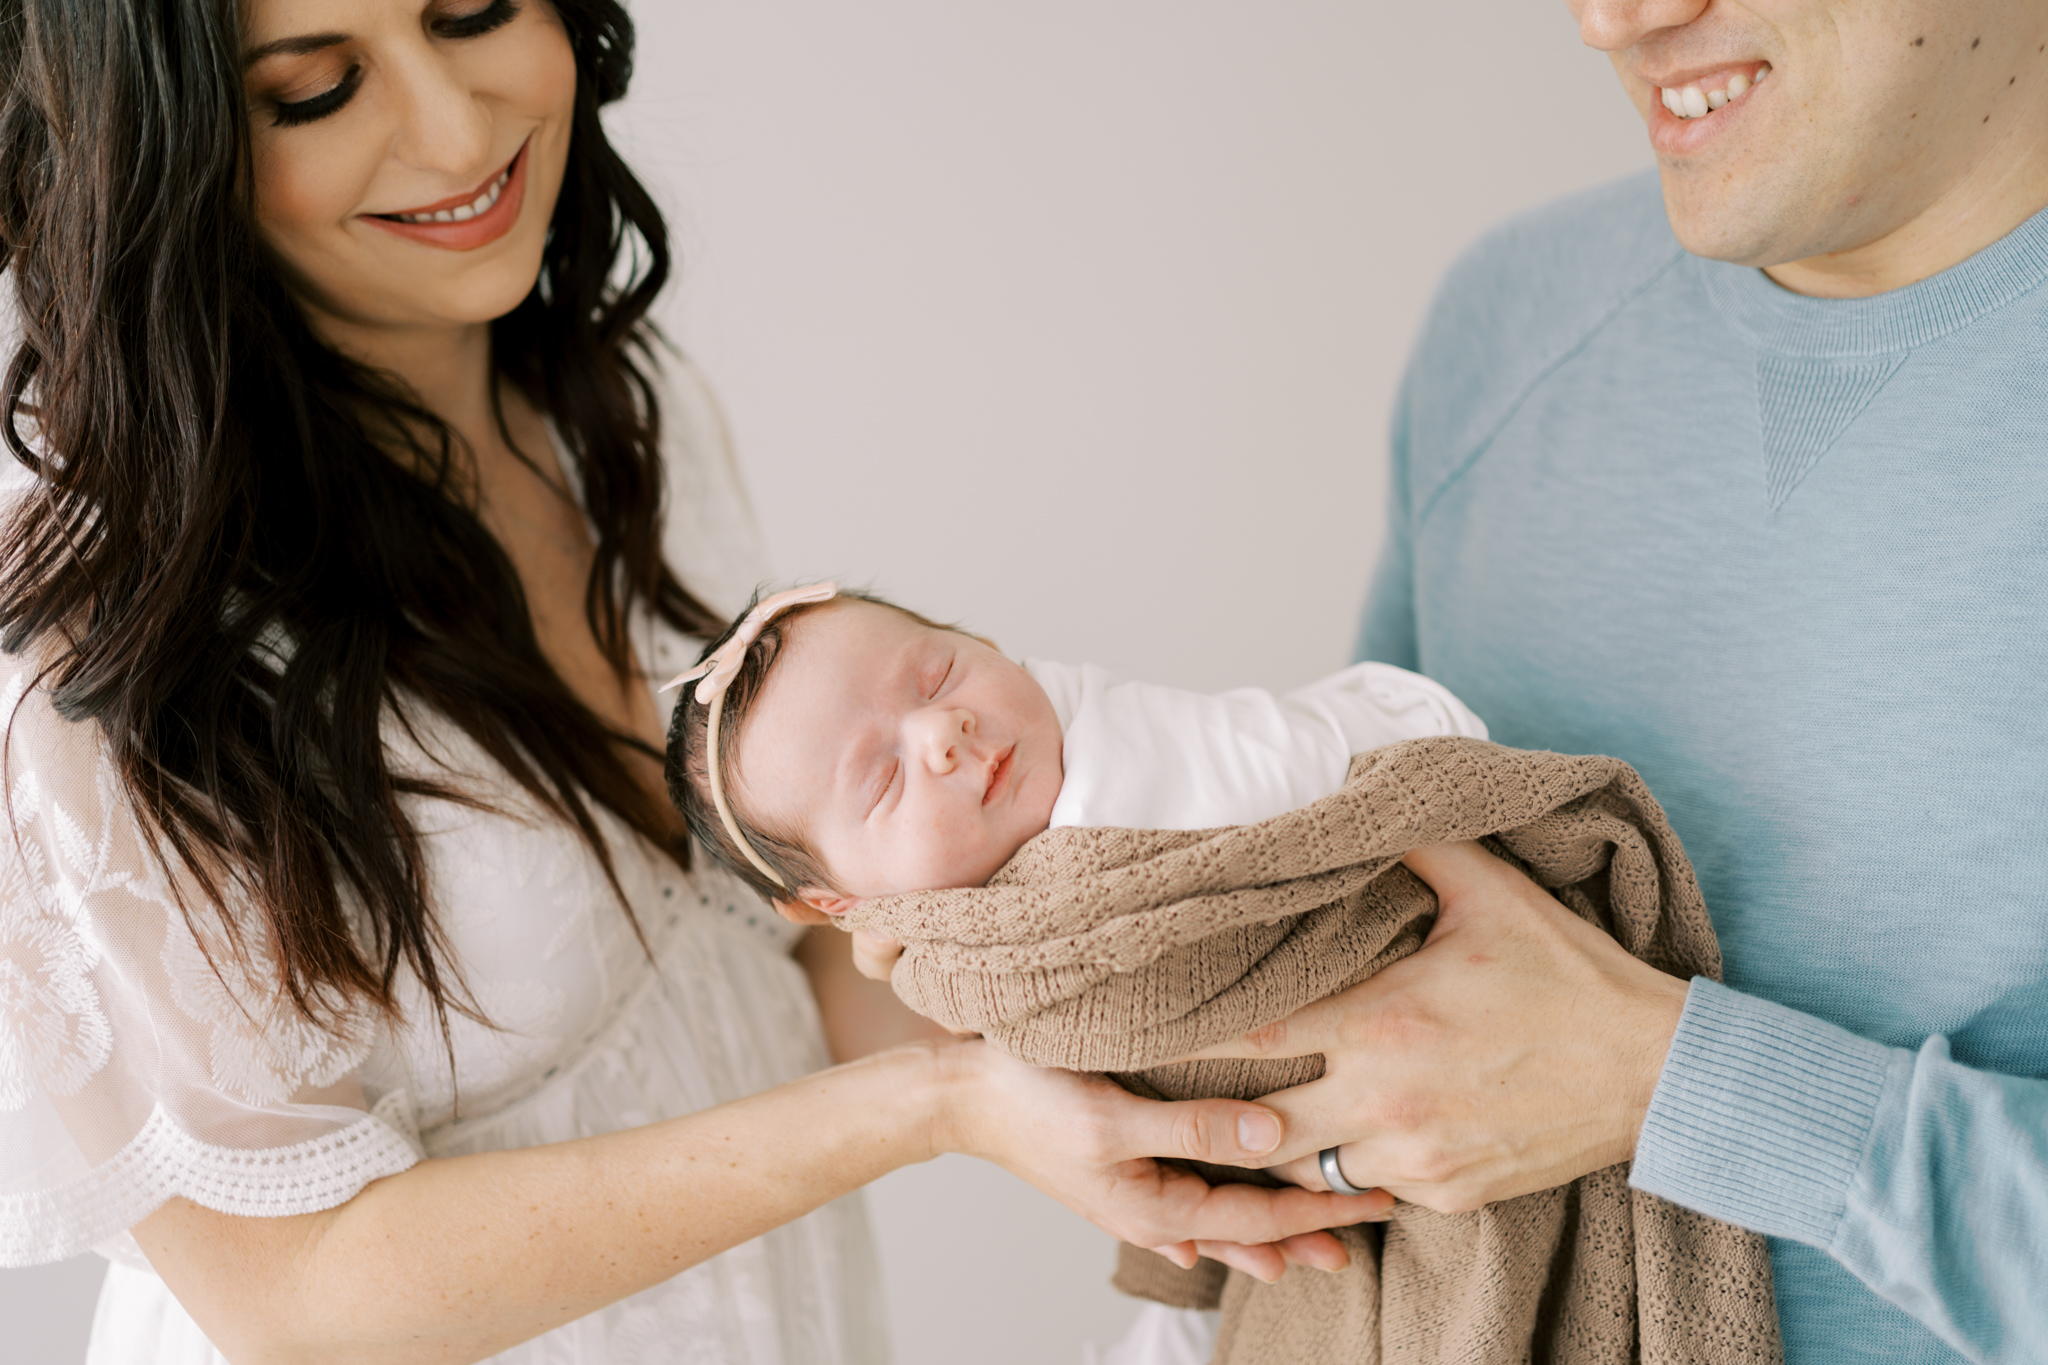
[(1258, 1133)]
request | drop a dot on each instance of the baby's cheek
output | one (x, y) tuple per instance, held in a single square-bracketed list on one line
[(963, 852)]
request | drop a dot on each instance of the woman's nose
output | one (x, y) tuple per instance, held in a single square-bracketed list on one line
[(443, 126)]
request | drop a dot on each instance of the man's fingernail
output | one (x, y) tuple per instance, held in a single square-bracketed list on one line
[(1258, 1133)]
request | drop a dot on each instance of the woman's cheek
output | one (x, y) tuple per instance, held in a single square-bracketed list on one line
[(299, 190), (537, 76)]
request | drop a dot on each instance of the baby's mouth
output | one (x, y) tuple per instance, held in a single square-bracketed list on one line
[(997, 773)]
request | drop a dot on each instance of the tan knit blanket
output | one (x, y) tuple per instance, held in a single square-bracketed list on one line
[(1115, 950)]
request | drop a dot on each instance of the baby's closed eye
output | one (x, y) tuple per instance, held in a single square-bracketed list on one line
[(942, 674), (885, 782)]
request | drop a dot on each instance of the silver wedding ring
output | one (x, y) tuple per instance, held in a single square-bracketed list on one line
[(1333, 1174)]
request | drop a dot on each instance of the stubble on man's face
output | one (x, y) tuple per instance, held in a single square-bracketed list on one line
[(1876, 114)]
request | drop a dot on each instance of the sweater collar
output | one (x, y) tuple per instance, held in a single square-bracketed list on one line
[(1779, 320)]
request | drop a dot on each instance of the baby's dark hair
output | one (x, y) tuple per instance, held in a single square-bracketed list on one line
[(689, 784)]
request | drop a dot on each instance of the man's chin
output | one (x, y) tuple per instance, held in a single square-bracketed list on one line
[(1739, 229)]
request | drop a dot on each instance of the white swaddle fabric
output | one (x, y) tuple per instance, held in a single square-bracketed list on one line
[(130, 1072), (1141, 756)]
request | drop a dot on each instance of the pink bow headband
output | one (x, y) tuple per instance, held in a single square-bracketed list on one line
[(715, 673)]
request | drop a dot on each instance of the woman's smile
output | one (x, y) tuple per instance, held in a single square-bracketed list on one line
[(465, 221)]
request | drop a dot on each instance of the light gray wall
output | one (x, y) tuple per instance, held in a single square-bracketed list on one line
[(46, 1311), (1077, 320)]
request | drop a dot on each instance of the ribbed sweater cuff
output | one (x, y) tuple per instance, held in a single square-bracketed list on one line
[(1761, 1116)]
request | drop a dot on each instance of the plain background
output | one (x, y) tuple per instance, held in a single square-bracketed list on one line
[(1078, 321)]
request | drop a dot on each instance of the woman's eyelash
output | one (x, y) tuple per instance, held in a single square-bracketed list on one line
[(495, 15), (321, 105)]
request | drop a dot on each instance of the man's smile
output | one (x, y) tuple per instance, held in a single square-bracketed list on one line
[(1696, 96)]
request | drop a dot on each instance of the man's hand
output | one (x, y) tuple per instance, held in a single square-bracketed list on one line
[(1516, 1051)]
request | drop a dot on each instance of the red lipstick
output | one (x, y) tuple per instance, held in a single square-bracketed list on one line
[(481, 230)]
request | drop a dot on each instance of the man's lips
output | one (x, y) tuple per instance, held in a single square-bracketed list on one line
[(999, 774), (481, 228), (1687, 118)]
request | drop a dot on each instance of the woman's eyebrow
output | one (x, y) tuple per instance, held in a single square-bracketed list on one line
[(294, 47)]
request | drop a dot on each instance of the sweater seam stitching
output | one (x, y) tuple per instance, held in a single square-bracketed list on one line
[(1536, 381)]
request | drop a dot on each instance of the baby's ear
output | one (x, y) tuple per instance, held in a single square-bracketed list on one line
[(815, 905), (799, 912)]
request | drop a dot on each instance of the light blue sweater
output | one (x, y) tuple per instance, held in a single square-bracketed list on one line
[(1789, 557)]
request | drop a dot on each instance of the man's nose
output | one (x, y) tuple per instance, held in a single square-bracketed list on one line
[(940, 733), (1616, 25)]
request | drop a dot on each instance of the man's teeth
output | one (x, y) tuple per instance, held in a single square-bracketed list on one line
[(1693, 102), (483, 203)]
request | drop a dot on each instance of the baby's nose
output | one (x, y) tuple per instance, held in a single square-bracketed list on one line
[(945, 732)]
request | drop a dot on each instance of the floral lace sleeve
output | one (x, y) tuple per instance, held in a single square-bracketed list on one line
[(132, 1068)]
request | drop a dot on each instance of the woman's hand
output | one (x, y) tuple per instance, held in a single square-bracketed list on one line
[(1090, 1145), (1118, 1185), (874, 955), (1516, 1051)]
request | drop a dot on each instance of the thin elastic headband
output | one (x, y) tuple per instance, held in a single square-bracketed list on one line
[(715, 673)]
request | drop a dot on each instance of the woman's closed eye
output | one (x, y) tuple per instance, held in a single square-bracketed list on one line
[(473, 21), (292, 113), (478, 22)]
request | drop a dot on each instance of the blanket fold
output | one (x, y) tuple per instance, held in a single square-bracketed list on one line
[(1118, 950)]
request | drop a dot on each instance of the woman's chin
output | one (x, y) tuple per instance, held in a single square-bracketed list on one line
[(438, 304)]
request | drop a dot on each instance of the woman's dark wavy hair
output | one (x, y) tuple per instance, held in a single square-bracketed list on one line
[(221, 562)]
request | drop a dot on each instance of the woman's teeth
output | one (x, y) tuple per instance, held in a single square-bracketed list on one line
[(483, 203), (1693, 102)]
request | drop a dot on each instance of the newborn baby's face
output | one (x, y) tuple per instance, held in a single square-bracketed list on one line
[(907, 758)]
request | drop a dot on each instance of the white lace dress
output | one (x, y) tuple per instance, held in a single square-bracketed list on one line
[(130, 1072)]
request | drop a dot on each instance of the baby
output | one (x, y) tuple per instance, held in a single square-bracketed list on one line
[(837, 747)]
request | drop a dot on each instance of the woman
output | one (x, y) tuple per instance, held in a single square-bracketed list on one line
[(336, 569)]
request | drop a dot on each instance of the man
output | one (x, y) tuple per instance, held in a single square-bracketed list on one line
[(1744, 483)]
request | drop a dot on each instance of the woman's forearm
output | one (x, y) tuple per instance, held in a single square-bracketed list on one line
[(457, 1259), (861, 1016)]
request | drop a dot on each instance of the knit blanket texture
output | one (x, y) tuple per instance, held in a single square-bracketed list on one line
[(1117, 950)]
